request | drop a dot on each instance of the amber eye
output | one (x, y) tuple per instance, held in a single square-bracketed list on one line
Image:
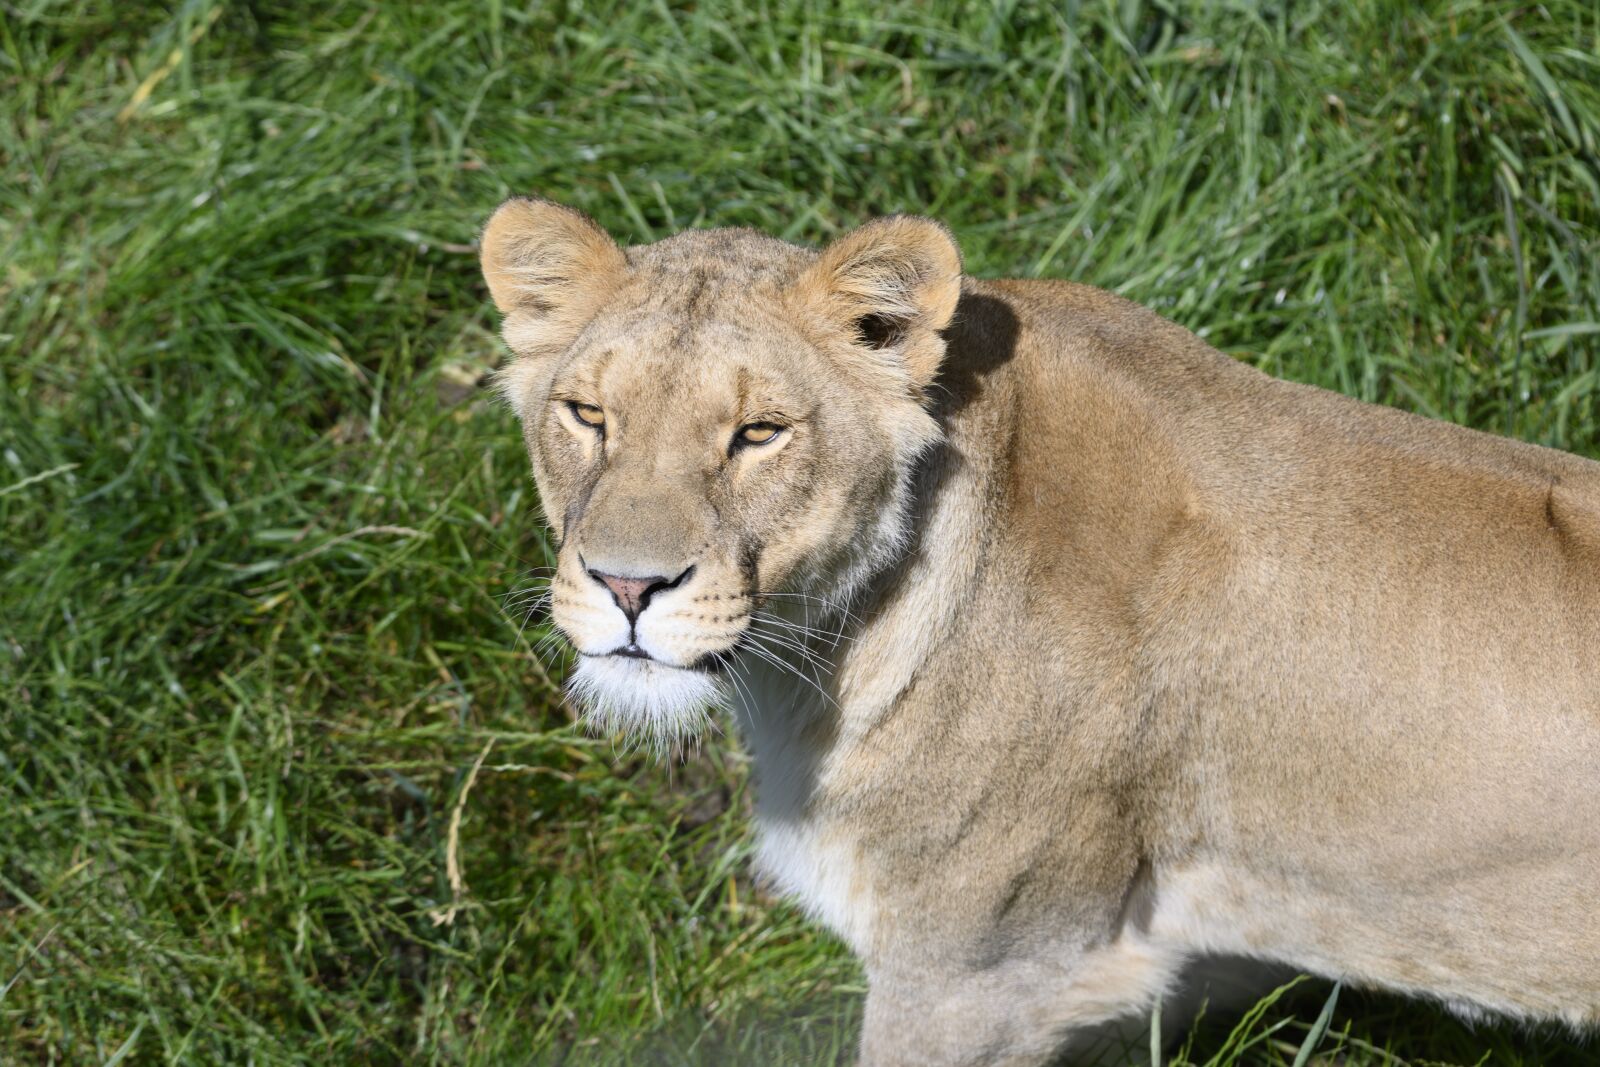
[(757, 433), (588, 414)]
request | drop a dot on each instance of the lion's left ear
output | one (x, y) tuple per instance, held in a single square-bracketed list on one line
[(887, 289)]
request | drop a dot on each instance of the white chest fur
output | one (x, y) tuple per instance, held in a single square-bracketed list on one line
[(820, 872)]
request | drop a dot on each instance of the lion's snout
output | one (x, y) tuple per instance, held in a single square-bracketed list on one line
[(633, 594)]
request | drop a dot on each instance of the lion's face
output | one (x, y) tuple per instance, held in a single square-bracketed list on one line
[(720, 425)]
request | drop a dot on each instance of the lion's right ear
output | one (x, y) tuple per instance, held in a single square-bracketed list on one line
[(549, 269)]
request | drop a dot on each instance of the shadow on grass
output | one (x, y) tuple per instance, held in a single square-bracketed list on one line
[(1374, 1030), (1368, 1030)]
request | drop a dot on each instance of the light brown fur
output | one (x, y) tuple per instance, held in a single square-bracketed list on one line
[(1146, 656)]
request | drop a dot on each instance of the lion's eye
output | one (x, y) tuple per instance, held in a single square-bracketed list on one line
[(588, 414), (757, 433)]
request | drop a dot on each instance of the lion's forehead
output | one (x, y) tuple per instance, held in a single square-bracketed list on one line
[(727, 283), (654, 330), (686, 312), (661, 360), (736, 254)]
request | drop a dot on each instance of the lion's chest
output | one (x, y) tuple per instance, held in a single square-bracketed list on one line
[(821, 870)]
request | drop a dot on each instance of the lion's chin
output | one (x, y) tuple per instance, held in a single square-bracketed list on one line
[(660, 705)]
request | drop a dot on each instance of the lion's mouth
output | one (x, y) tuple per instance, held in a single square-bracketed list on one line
[(710, 663)]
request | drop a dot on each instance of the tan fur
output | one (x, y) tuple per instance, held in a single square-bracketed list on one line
[(1125, 654)]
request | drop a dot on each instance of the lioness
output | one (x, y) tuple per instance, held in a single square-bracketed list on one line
[(1069, 649)]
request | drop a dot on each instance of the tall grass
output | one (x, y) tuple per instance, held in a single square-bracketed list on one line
[(265, 678)]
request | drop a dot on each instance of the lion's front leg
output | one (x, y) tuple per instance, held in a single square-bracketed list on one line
[(1016, 1013)]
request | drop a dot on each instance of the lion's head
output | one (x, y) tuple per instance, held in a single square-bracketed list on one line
[(714, 420)]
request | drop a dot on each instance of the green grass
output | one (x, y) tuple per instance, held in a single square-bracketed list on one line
[(260, 536)]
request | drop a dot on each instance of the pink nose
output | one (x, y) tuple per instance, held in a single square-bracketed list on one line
[(632, 594)]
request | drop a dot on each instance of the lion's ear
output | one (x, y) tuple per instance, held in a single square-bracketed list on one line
[(549, 269), (888, 288)]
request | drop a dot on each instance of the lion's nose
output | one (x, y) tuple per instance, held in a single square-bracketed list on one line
[(633, 594)]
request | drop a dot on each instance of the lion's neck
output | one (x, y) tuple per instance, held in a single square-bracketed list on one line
[(804, 716)]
